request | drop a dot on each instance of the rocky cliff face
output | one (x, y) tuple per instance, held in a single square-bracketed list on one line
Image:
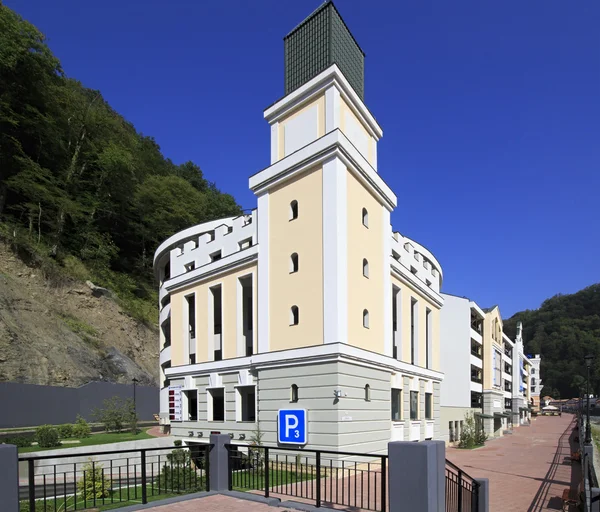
[(67, 336)]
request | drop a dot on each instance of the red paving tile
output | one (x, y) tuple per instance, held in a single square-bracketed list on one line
[(528, 469), (216, 503)]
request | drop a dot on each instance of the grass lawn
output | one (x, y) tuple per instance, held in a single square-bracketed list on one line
[(94, 439), (249, 479), (122, 501)]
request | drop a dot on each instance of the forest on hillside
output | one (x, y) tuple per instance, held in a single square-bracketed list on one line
[(563, 330), (81, 191)]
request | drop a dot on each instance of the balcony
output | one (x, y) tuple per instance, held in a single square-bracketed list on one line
[(476, 375), (165, 355), (507, 368), (476, 400), (165, 313), (508, 387)]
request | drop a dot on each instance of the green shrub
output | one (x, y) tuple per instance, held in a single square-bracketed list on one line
[(177, 442), (65, 431), (94, 484), (178, 474), (117, 413), (18, 441), (47, 436), (472, 433), (81, 429)]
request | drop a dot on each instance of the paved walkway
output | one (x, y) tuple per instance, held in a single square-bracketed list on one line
[(217, 503), (528, 469)]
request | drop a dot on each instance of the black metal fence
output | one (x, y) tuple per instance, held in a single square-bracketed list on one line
[(462, 491), (324, 478), (62, 483)]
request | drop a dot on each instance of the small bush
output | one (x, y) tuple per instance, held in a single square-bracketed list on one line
[(117, 413), (18, 441), (178, 474), (177, 442), (81, 429), (65, 431), (472, 434), (47, 436), (95, 484)]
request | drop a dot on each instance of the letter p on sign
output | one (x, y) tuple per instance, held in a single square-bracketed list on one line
[(292, 426)]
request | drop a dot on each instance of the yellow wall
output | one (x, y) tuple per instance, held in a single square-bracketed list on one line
[(345, 110), (407, 293), (320, 102), (492, 339), (365, 293), (304, 288), (229, 290)]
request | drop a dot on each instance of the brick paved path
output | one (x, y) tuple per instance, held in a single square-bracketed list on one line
[(528, 469), (217, 503)]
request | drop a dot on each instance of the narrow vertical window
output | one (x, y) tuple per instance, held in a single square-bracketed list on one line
[(294, 315), (365, 217), (294, 393), (365, 318), (294, 210), (428, 406), (427, 338), (413, 310), (294, 263), (365, 267), (396, 404), (367, 393), (414, 405)]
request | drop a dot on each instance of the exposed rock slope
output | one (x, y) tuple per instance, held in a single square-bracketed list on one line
[(67, 336)]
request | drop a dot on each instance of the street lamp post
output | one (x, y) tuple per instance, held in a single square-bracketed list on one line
[(135, 381), (588, 432)]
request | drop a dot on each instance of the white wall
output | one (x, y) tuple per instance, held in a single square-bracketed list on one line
[(455, 351)]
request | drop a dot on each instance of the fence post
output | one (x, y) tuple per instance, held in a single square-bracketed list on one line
[(9, 478), (144, 491), (267, 475), (318, 457), (417, 486), (219, 462), (483, 498), (31, 483)]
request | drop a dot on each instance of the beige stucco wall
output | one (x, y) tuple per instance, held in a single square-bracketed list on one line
[(407, 293), (345, 110), (229, 290), (365, 293), (320, 102), (304, 288), (489, 344)]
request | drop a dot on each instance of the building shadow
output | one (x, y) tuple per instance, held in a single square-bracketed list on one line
[(565, 447)]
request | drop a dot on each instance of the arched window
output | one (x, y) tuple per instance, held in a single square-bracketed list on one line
[(365, 218), (294, 316), (294, 263), (367, 393), (365, 318), (365, 268), (293, 210), (294, 393)]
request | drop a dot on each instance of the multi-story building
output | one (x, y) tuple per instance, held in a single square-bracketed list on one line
[(522, 390), (536, 381), (461, 352), (311, 301)]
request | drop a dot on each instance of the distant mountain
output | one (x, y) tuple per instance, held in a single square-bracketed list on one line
[(563, 330)]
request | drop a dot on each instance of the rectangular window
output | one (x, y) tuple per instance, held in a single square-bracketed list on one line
[(427, 338), (396, 404), (217, 398), (414, 405), (217, 299), (192, 404), (497, 368), (215, 256), (247, 403), (413, 314), (428, 406)]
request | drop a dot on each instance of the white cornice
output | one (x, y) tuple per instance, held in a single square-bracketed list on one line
[(213, 269), (328, 146), (399, 271), (316, 354), (316, 86)]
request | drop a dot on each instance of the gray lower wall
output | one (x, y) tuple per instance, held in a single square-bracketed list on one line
[(454, 414), (27, 405)]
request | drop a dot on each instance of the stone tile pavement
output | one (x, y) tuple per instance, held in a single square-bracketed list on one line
[(528, 469), (216, 503)]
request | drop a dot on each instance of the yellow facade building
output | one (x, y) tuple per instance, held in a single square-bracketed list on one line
[(312, 301)]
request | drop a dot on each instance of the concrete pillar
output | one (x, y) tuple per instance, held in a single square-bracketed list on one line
[(417, 476), (595, 494), (9, 478), (484, 494), (219, 462)]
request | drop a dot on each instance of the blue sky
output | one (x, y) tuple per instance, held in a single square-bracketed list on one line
[(490, 113)]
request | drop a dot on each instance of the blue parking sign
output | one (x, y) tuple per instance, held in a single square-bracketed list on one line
[(292, 426)]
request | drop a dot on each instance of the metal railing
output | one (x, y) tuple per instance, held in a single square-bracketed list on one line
[(326, 478), (462, 490), (85, 480)]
